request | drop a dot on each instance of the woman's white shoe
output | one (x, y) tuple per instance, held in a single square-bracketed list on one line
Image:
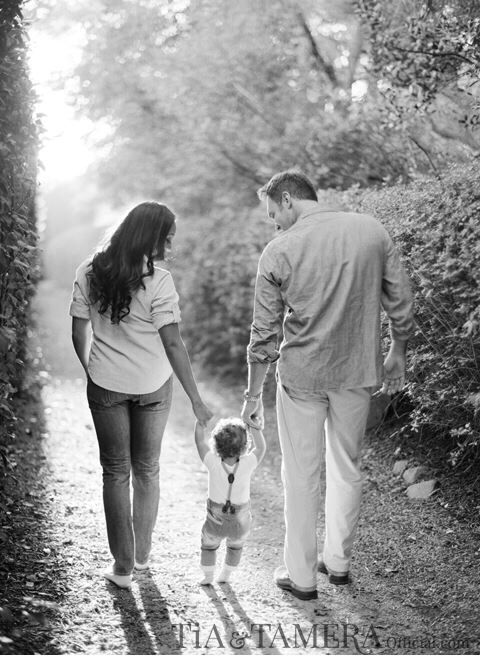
[(118, 579)]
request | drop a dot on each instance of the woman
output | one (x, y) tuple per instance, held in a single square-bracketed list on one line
[(132, 307)]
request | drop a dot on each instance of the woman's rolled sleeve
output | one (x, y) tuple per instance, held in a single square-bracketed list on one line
[(164, 308), (79, 305)]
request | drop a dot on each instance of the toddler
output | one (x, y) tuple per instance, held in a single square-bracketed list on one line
[(230, 468)]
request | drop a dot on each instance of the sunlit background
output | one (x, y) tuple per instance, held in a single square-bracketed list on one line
[(68, 148), (65, 152), (73, 209)]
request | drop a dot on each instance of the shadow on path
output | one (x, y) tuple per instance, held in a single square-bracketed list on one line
[(145, 622), (157, 615), (248, 632)]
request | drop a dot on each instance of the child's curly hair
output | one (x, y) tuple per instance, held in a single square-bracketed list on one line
[(229, 438)]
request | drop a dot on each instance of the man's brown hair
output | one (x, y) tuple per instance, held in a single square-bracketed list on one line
[(295, 182)]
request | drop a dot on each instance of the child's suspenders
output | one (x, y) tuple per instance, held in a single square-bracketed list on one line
[(231, 477)]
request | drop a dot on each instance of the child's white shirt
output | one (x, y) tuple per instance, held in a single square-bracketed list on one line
[(218, 478)]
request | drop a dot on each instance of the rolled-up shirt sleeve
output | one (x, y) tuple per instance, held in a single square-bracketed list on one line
[(267, 315), (396, 299), (164, 307), (79, 304)]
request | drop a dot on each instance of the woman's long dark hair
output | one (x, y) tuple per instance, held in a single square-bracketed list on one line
[(117, 271)]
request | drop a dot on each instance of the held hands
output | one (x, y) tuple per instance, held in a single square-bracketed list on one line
[(201, 412), (394, 368), (257, 423), (252, 413)]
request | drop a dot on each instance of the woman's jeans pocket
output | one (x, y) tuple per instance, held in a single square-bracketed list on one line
[(99, 397)]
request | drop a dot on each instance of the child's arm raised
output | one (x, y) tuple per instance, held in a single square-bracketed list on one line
[(259, 445), (200, 442)]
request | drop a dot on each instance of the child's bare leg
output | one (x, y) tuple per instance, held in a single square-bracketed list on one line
[(208, 556), (232, 559)]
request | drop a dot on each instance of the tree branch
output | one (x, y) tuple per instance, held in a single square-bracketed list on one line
[(356, 44), (254, 106), (427, 9), (241, 168), (436, 54), (323, 65), (425, 151)]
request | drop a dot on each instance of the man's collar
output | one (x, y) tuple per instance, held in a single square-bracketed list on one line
[(319, 209), (312, 211)]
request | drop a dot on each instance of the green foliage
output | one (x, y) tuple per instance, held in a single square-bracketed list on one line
[(18, 264)]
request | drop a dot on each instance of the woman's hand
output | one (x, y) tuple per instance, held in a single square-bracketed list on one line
[(202, 412), (178, 357)]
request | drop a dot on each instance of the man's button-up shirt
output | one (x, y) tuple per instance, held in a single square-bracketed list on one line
[(326, 279)]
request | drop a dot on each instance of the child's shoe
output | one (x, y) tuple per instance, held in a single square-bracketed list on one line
[(208, 571), (142, 566), (224, 575)]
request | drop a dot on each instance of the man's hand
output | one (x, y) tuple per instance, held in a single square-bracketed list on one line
[(394, 372), (252, 412)]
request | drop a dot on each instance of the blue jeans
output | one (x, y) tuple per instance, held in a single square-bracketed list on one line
[(129, 430)]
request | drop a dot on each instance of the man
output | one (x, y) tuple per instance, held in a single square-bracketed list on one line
[(325, 278)]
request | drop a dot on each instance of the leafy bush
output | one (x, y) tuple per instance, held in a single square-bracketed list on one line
[(360, 151), (18, 268), (216, 269), (436, 225)]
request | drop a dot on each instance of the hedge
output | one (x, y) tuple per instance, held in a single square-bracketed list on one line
[(18, 235), (216, 268), (436, 225)]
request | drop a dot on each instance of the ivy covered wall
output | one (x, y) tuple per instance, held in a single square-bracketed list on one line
[(18, 233)]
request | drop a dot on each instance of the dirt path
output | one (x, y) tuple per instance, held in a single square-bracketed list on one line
[(393, 600)]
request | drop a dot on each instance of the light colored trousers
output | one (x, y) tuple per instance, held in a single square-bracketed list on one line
[(234, 527), (301, 428)]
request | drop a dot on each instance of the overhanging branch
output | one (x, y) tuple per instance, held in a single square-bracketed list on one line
[(239, 166), (322, 64)]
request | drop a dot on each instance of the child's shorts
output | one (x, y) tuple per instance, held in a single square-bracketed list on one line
[(235, 526)]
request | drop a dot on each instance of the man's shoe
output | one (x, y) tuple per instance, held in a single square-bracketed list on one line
[(336, 579), (283, 581)]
